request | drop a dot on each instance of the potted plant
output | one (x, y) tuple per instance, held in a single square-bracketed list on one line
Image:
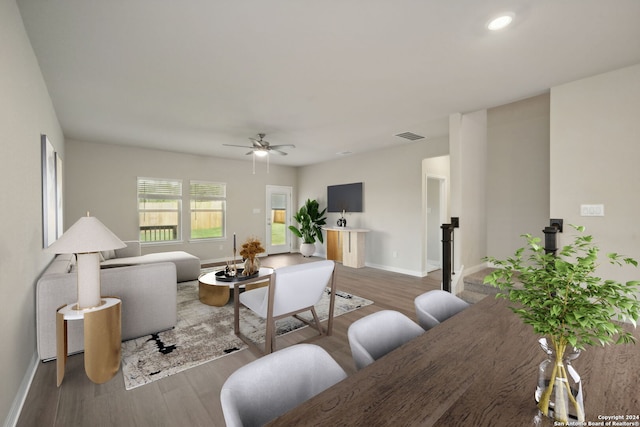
[(566, 303), (311, 220)]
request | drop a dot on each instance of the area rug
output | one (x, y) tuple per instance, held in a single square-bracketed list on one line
[(204, 333)]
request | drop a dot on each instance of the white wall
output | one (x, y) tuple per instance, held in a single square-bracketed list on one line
[(517, 196), (25, 112), (393, 200), (500, 179), (595, 149), (102, 178), (468, 146)]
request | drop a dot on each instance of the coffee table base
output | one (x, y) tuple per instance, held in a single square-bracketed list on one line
[(217, 296)]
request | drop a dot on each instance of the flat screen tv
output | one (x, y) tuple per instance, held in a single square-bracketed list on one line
[(345, 197)]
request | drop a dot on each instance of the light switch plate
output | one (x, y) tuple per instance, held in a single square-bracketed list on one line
[(591, 210)]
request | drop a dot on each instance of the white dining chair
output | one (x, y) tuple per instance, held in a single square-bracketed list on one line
[(273, 384), (292, 290), (434, 307), (375, 335)]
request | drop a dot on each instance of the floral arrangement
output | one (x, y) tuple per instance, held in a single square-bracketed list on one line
[(250, 249)]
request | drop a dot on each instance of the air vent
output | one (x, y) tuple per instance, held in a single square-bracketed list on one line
[(410, 136)]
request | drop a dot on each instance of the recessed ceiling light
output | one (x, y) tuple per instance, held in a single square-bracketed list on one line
[(500, 22)]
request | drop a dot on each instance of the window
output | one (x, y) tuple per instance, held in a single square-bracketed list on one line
[(159, 204), (208, 209)]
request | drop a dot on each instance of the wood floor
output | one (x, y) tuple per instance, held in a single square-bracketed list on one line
[(191, 398)]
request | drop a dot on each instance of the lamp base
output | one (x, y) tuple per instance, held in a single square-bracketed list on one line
[(88, 280)]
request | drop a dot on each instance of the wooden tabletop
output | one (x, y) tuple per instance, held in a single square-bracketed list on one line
[(479, 368)]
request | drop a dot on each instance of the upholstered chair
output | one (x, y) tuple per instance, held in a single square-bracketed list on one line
[(436, 306), (375, 335), (273, 384), (292, 290)]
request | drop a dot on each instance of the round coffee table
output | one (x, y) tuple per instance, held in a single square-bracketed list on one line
[(216, 292)]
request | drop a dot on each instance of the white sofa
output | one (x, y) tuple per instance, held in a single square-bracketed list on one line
[(187, 265), (148, 292)]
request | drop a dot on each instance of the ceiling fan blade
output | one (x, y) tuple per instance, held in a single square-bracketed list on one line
[(282, 153), (282, 146), (233, 145), (258, 142), (249, 153)]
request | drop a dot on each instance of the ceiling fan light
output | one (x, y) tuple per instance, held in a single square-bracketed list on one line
[(501, 21), (260, 153)]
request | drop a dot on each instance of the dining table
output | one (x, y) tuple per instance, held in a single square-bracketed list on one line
[(477, 368)]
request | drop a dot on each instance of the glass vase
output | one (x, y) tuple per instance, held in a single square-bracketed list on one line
[(559, 374), (251, 266)]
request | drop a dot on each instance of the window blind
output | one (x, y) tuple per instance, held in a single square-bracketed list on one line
[(202, 190), (159, 188)]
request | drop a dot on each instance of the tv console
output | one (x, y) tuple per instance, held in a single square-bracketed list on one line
[(346, 245)]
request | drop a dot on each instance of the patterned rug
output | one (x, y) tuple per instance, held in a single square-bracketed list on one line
[(204, 333)]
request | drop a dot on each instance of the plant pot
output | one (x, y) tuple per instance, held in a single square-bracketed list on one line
[(307, 249), (559, 390)]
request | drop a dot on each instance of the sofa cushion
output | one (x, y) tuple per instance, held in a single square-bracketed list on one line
[(63, 263), (105, 255), (132, 249), (187, 265)]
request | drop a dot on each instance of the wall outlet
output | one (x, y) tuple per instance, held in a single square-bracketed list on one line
[(591, 210), (394, 254)]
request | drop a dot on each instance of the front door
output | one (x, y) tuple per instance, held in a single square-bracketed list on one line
[(278, 213)]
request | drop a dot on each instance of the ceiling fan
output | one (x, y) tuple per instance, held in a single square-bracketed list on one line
[(262, 148)]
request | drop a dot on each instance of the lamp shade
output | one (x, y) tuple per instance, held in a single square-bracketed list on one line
[(88, 234)]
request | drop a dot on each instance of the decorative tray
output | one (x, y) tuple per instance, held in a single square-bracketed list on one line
[(224, 276)]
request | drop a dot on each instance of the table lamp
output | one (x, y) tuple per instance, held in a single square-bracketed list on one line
[(86, 238)]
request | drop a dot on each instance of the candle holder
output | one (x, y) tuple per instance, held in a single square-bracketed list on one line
[(235, 267), (233, 261)]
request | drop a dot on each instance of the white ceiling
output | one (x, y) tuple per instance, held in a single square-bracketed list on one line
[(328, 76)]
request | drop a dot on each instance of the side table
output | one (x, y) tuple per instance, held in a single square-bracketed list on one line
[(102, 338)]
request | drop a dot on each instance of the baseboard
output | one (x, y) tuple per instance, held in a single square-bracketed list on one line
[(475, 268), (21, 395), (396, 270)]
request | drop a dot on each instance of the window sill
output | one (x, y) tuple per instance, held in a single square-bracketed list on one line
[(163, 243), (208, 240)]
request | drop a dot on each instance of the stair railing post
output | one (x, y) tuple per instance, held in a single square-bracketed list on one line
[(447, 241), (550, 240)]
